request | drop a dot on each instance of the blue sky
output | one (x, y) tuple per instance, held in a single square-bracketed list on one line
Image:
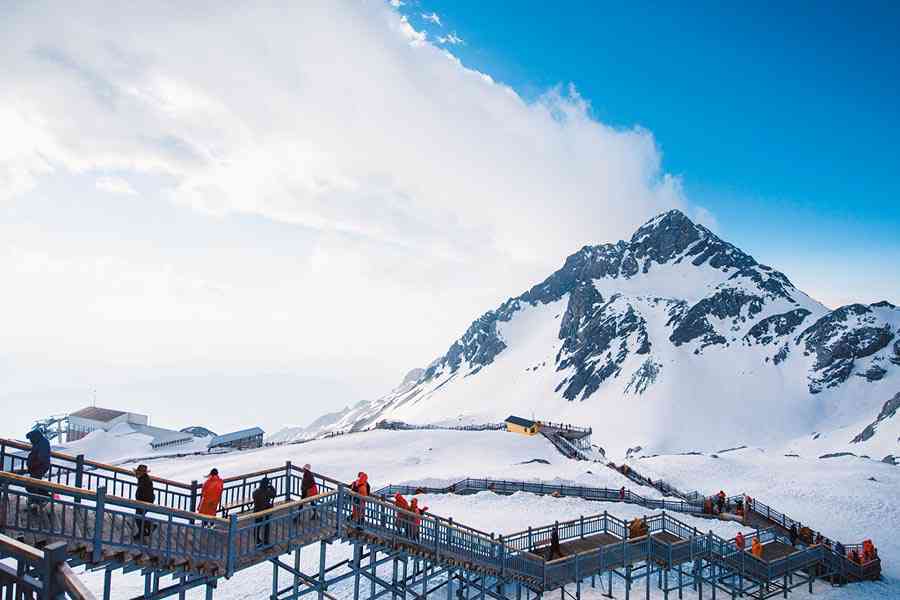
[(781, 118)]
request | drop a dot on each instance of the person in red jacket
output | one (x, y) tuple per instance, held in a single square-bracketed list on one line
[(414, 508), (403, 519), (211, 495), (740, 542), (360, 486), (622, 493)]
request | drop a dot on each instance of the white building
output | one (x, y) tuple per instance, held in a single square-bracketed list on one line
[(92, 418)]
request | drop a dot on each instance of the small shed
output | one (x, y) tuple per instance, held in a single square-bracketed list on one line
[(524, 426), (245, 438)]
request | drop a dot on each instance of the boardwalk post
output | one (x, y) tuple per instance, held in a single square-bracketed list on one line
[(581, 526), (323, 545), (577, 578), (194, 486), (502, 557), (98, 523), (232, 545), (54, 556), (357, 558), (296, 589), (339, 507)]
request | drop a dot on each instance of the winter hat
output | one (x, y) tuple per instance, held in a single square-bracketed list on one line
[(307, 467), (213, 472), (142, 469)]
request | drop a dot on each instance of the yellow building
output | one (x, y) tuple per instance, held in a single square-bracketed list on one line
[(523, 426)]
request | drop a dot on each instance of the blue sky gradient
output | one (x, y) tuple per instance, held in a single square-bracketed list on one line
[(781, 119)]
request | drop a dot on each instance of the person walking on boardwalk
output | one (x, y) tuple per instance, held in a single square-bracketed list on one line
[(37, 465), (263, 499), (414, 508), (793, 535), (211, 495), (720, 501), (308, 487), (756, 548), (38, 461), (144, 493), (555, 548), (739, 542), (360, 486), (622, 493), (403, 519)]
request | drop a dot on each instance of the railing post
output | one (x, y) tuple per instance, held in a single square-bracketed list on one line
[(287, 481), (3, 456), (54, 556), (194, 486), (339, 507), (582, 526), (502, 557), (232, 545), (530, 540), (98, 523)]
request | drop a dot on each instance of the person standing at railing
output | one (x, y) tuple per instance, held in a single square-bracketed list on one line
[(360, 486), (793, 535), (720, 501), (739, 542), (263, 499), (622, 494), (402, 518), (38, 461), (555, 548), (309, 488), (414, 508), (211, 494), (37, 466), (144, 493), (756, 548)]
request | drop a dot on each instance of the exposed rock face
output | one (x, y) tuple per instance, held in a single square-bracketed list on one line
[(777, 326), (888, 411), (839, 339)]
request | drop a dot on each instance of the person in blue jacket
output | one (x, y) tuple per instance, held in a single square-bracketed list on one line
[(38, 461)]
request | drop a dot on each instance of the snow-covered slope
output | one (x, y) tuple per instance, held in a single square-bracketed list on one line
[(674, 340)]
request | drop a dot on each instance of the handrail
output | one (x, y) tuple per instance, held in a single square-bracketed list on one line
[(66, 576)]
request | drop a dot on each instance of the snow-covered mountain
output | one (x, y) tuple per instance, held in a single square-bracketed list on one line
[(673, 340)]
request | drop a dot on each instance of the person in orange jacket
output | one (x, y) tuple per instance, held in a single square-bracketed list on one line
[(414, 508), (756, 548), (740, 542), (211, 495), (360, 486), (402, 518)]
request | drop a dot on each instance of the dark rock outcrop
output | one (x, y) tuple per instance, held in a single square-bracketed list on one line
[(888, 411)]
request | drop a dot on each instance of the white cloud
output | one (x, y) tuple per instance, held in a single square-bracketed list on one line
[(451, 38), (318, 181), (115, 185), (432, 17)]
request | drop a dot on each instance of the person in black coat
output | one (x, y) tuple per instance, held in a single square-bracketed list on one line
[(38, 461), (793, 535), (144, 493), (263, 499)]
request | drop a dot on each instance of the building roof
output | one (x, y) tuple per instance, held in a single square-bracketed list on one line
[(162, 436), (519, 421), (234, 436), (95, 413)]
